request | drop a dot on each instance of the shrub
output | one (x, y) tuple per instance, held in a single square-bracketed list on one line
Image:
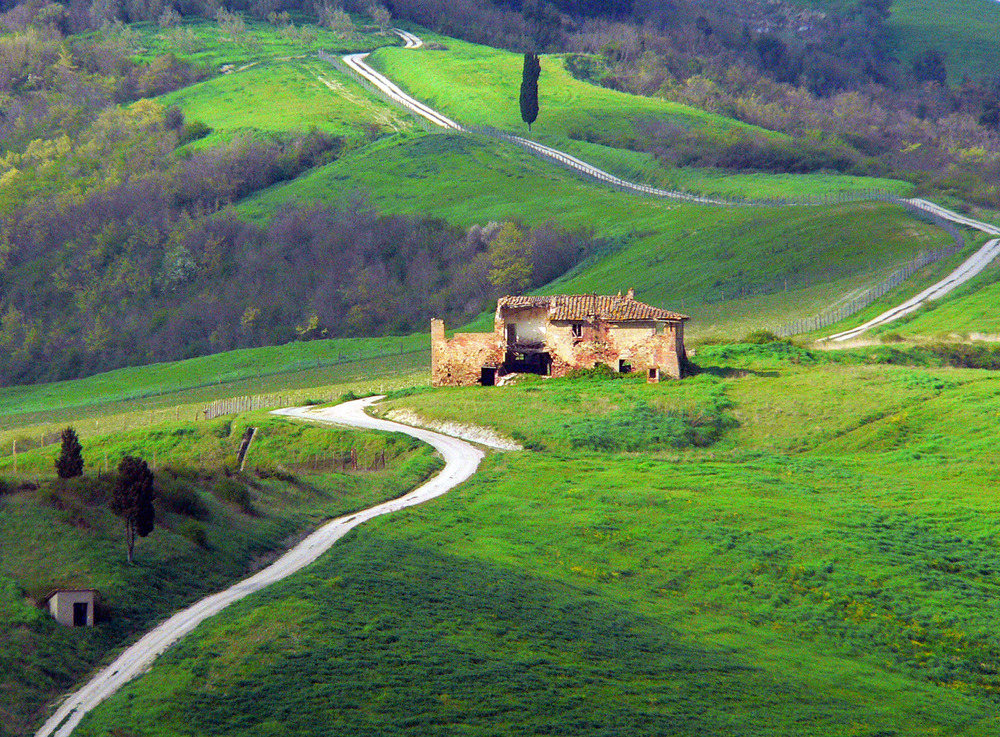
[(643, 427), (235, 493), (192, 131), (193, 531), (182, 499), (761, 337)]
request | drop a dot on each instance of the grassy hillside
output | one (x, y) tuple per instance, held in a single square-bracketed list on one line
[(212, 527), (206, 42), (480, 85), (971, 311), (822, 252), (964, 30), (278, 96), (222, 368), (767, 549)]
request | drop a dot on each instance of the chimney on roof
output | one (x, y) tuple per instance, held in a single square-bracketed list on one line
[(631, 294)]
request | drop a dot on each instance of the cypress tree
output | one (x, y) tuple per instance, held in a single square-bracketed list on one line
[(529, 88), (133, 500), (69, 464)]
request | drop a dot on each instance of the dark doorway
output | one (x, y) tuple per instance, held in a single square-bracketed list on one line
[(80, 614), (654, 375), (624, 367), (528, 363), (488, 376)]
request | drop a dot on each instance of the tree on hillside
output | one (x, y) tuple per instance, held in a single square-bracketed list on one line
[(381, 16), (510, 260), (69, 464), (133, 500), (529, 88)]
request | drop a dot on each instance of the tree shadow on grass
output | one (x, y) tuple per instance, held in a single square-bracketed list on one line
[(392, 638)]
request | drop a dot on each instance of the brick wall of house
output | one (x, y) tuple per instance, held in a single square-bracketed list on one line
[(459, 361)]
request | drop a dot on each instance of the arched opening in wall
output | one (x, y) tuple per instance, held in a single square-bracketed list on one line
[(624, 367)]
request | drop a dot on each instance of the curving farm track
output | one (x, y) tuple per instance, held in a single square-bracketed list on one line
[(461, 462), (968, 269)]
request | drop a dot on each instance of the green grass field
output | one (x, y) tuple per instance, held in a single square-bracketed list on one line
[(964, 30), (249, 364), (286, 96), (823, 252), (211, 528), (478, 85), (803, 545), (971, 311), (207, 43)]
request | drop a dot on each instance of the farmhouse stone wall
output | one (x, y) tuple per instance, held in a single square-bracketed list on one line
[(459, 361), (568, 337)]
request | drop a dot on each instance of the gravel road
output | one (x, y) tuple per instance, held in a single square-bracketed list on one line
[(461, 461), (975, 264)]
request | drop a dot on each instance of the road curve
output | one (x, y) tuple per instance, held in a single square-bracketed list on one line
[(461, 461), (357, 63), (975, 264)]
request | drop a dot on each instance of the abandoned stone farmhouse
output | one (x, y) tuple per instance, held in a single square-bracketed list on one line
[(554, 335)]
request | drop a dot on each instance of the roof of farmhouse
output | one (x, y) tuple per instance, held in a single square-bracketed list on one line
[(582, 307)]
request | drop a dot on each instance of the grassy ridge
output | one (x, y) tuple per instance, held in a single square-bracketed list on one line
[(480, 85), (279, 96), (210, 529), (964, 30), (168, 378), (823, 252), (205, 42), (780, 581)]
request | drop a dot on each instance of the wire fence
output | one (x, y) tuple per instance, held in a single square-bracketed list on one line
[(574, 164), (873, 293), (817, 322)]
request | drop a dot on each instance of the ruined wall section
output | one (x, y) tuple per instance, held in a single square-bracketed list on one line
[(638, 345), (460, 360)]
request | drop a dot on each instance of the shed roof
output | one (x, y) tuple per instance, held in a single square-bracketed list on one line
[(612, 308)]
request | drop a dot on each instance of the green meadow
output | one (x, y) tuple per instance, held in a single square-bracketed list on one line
[(478, 85), (248, 364), (755, 266), (213, 525), (286, 96), (789, 542), (964, 30), (206, 42)]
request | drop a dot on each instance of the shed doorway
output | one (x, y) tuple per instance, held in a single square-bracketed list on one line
[(488, 376), (80, 614)]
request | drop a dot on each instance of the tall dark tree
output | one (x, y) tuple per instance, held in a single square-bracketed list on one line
[(133, 500), (69, 464), (529, 88)]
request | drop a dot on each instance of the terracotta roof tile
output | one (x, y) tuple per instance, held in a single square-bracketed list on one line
[(589, 306)]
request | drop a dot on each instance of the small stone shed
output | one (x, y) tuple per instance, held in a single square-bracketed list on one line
[(73, 607), (554, 335)]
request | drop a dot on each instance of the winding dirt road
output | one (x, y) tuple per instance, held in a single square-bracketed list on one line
[(968, 269), (461, 461)]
